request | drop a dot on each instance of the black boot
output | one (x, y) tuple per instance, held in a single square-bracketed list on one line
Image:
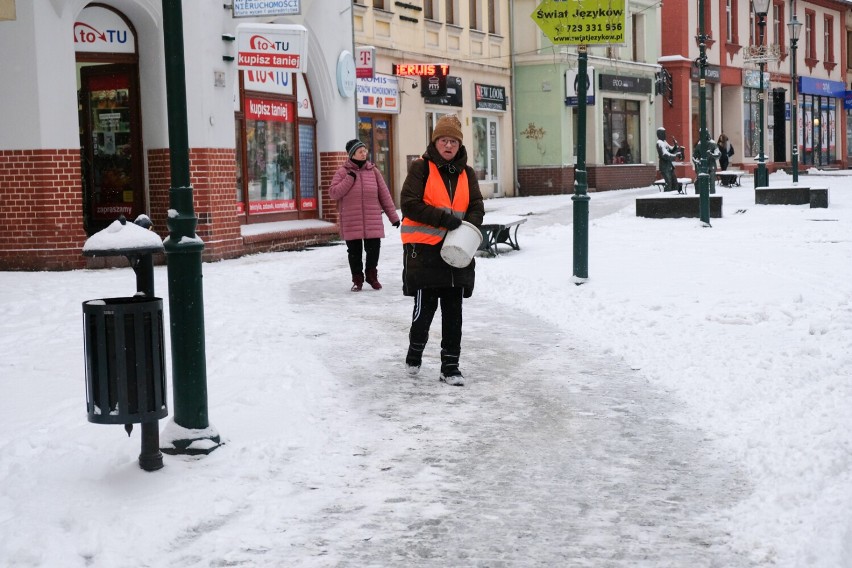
[(450, 373), (414, 358)]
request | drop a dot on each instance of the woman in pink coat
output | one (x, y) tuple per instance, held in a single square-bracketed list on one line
[(362, 195)]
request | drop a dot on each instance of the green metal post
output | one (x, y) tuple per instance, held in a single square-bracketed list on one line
[(183, 255), (581, 197), (762, 175), (704, 180), (794, 25)]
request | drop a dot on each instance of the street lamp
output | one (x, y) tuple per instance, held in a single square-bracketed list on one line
[(795, 29), (704, 181), (760, 9)]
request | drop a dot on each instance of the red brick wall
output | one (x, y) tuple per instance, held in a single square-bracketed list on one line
[(606, 178), (41, 210), (213, 179), (545, 181), (330, 162)]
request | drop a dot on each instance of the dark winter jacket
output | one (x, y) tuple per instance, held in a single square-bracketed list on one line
[(362, 197), (423, 266)]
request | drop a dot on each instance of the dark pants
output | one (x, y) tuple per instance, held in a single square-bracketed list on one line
[(671, 178), (354, 250), (425, 305)]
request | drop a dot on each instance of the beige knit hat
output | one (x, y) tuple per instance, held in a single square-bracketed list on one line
[(449, 126)]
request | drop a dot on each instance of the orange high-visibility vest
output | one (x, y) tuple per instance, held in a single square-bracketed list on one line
[(436, 195)]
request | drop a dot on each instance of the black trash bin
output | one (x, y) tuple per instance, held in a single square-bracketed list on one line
[(125, 360)]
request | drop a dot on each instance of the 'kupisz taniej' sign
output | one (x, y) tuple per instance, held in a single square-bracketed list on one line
[(272, 47), (582, 22)]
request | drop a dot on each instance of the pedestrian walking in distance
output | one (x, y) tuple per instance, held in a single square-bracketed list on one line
[(439, 192), (362, 195)]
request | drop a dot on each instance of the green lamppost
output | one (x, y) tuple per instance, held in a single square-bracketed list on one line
[(703, 135), (795, 29), (581, 197), (761, 178), (183, 258)]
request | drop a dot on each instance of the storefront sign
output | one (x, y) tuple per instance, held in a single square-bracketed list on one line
[(592, 22), (489, 97), (811, 86), (571, 84), (622, 84), (266, 109), (272, 47), (280, 82), (712, 73), (847, 100), (365, 62), (250, 8), (420, 69), (378, 94), (453, 96), (102, 31)]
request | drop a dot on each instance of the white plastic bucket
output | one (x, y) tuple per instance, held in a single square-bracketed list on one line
[(461, 244)]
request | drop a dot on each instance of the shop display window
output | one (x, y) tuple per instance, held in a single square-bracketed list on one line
[(621, 132), (270, 168)]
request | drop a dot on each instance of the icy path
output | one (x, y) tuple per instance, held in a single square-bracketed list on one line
[(549, 457)]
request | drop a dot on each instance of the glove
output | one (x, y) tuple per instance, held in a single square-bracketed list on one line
[(452, 222), (396, 224), (351, 174)]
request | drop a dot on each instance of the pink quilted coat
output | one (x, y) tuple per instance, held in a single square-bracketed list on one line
[(361, 201)]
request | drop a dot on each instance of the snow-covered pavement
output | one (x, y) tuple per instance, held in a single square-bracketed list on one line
[(688, 406)]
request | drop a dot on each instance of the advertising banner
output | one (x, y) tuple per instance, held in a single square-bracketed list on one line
[(272, 47), (378, 94)]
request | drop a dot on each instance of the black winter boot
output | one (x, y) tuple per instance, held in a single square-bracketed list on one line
[(450, 373), (414, 358), (373, 278), (357, 282)]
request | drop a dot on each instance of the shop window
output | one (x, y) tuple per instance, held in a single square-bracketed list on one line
[(375, 132), (751, 121), (276, 140), (622, 132), (307, 167), (270, 171)]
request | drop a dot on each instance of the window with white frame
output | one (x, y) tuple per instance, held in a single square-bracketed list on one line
[(450, 11), (483, 153), (475, 15), (828, 39), (729, 28)]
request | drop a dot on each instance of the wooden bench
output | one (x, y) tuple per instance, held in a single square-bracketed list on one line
[(684, 184), (500, 231), (729, 178)]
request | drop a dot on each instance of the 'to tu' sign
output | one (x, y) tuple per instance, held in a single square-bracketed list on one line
[(268, 47)]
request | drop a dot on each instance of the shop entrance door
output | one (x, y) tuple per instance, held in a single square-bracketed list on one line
[(375, 132), (111, 144)]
